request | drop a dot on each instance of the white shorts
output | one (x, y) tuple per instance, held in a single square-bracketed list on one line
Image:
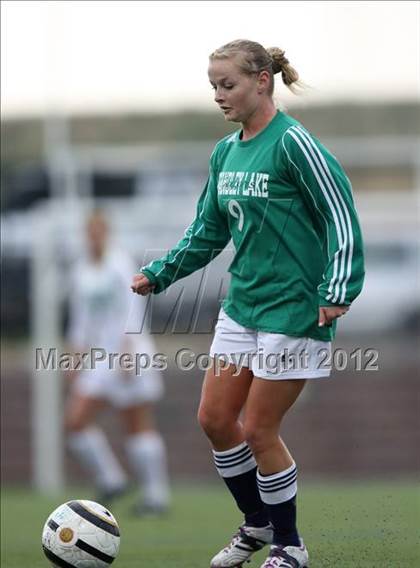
[(120, 388), (273, 356)]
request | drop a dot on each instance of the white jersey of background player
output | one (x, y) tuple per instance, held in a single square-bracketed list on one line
[(99, 308)]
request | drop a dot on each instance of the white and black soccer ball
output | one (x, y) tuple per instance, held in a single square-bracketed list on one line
[(81, 534)]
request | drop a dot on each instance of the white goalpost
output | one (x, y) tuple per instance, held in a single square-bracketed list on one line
[(50, 222), (47, 412)]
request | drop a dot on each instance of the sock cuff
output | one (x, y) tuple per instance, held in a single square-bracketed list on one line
[(90, 432), (236, 461), (280, 474), (278, 487), (224, 453), (143, 439)]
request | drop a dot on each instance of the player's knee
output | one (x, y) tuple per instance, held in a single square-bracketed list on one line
[(207, 420), (73, 426), (259, 439), (75, 423), (214, 424)]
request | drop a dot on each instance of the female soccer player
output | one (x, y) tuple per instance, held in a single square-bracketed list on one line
[(287, 205), (100, 305)]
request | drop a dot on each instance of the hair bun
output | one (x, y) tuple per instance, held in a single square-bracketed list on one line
[(278, 58)]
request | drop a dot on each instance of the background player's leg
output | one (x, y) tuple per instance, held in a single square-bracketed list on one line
[(147, 454), (90, 446), (268, 402)]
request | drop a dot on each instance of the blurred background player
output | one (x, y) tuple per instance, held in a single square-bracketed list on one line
[(99, 309)]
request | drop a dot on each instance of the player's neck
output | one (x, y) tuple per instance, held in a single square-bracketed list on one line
[(97, 255), (258, 121)]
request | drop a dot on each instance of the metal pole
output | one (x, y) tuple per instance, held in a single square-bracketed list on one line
[(47, 415)]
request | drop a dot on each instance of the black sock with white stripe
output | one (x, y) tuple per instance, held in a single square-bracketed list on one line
[(238, 469), (278, 492)]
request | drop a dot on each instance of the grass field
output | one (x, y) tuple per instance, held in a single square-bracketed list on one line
[(368, 525)]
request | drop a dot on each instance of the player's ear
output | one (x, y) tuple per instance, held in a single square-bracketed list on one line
[(263, 81)]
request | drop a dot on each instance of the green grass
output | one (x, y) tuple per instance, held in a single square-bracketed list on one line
[(373, 525)]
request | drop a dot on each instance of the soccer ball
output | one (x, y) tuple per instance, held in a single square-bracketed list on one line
[(81, 534)]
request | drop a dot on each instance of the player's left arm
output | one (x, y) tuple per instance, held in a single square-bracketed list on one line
[(327, 191), (203, 240)]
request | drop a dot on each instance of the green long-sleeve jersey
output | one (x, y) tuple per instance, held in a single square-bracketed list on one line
[(287, 205)]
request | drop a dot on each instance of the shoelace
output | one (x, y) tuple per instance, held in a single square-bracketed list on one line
[(278, 563), (237, 537), (277, 560)]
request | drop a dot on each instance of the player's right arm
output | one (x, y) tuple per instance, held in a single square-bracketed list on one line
[(76, 337), (203, 240)]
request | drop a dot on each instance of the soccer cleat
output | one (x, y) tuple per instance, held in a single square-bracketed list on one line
[(150, 510), (107, 496), (287, 557), (243, 544)]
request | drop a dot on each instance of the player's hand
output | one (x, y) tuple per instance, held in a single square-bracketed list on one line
[(70, 375), (328, 314), (141, 285)]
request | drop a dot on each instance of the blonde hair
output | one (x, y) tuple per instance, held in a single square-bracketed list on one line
[(254, 58)]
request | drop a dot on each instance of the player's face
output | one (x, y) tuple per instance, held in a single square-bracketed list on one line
[(236, 93), (97, 232)]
